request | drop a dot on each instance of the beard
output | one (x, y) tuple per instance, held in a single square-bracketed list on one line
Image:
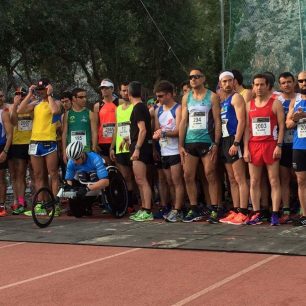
[(303, 91)]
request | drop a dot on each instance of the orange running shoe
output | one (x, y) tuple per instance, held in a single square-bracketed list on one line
[(3, 212), (239, 219), (229, 217)]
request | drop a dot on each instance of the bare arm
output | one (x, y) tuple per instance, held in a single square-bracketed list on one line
[(64, 135), (142, 133), (9, 134), (183, 122), (290, 124), (215, 104), (24, 106), (178, 117), (94, 131), (279, 111), (239, 105), (13, 110)]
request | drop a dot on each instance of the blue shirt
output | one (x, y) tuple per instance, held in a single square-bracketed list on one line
[(228, 117), (94, 162), (299, 136)]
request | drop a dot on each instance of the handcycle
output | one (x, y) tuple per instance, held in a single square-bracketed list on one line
[(114, 197)]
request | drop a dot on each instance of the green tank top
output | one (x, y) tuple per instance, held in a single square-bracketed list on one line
[(123, 125), (78, 128), (200, 123)]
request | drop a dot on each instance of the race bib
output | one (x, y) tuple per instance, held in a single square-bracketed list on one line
[(261, 126), (108, 130), (24, 125), (288, 136), (124, 129), (32, 148), (79, 136), (224, 128), (197, 121), (301, 129)]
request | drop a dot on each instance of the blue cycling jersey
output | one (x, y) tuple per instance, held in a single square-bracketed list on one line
[(94, 162)]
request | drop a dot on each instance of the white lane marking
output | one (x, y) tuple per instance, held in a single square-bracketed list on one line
[(67, 269), (11, 245), (224, 281)]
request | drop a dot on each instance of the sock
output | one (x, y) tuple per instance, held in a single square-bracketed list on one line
[(194, 207), (21, 200), (286, 211), (236, 210), (148, 210), (214, 207), (244, 211)]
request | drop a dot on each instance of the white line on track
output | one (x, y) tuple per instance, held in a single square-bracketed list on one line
[(11, 245), (67, 269), (224, 281)]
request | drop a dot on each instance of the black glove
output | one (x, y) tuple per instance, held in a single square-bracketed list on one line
[(67, 187), (82, 191)]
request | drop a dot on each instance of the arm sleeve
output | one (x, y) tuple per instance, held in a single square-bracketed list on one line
[(70, 171)]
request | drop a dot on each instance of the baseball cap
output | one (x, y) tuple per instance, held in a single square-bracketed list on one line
[(106, 83), (151, 101), (42, 83)]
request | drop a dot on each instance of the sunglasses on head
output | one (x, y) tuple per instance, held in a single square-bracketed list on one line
[(195, 76)]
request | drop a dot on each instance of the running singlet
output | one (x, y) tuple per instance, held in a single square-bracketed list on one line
[(107, 118), (299, 136), (168, 145), (123, 126), (23, 129), (2, 130), (44, 123), (78, 128), (93, 162), (200, 123), (262, 122), (228, 117)]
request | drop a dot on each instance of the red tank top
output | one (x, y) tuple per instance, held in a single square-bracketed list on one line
[(262, 122), (107, 120)]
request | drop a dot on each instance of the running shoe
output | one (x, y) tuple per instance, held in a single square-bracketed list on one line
[(19, 210), (239, 219), (175, 216), (255, 219), (162, 213), (57, 211), (300, 222), (14, 206), (231, 215), (274, 220), (144, 216), (39, 211), (192, 216), (215, 216), (3, 211), (285, 219), (135, 215)]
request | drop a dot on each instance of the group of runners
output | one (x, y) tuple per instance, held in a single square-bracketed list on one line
[(253, 141)]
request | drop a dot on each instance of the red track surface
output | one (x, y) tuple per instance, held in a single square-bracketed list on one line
[(54, 274)]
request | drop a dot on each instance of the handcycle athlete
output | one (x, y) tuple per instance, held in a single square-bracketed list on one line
[(87, 178)]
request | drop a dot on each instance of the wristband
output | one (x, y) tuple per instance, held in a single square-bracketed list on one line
[(137, 147), (5, 151), (279, 145), (49, 95)]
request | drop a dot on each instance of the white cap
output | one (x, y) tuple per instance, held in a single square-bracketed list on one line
[(106, 83), (224, 74)]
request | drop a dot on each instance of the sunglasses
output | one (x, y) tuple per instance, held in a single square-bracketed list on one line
[(195, 76), (302, 80)]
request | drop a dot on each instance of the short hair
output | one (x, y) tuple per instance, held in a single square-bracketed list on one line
[(261, 76), (135, 89), (124, 83), (164, 86), (76, 90), (197, 68), (286, 74), (66, 95), (271, 78), (184, 83), (237, 76)]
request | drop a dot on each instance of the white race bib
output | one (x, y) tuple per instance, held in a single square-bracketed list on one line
[(197, 121), (301, 129), (24, 125), (32, 148), (79, 136), (261, 126), (124, 129), (108, 129), (224, 128)]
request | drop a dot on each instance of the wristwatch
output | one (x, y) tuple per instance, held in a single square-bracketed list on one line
[(137, 147), (279, 145), (163, 134), (236, 143)]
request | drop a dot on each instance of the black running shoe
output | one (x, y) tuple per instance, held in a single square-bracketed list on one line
[(300, 222)]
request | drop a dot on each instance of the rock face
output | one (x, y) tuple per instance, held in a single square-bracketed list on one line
[(266, 36)]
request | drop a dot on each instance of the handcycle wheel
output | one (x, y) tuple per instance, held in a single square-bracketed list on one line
[(43, 210), (116, 193)]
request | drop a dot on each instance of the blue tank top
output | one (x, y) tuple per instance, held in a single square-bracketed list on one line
[(201, 123), (228, 117), (93, 163), (288, 134), (299, 136), (2, 130)]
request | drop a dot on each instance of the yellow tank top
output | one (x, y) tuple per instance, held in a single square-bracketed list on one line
[(23, 130), (44, 123)]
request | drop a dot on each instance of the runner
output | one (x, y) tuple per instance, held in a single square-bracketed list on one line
[(199, 136), (296, 119), (141, 150), (263, 139), (239, 87), (6, 133), (167, 120), (233, 125)]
